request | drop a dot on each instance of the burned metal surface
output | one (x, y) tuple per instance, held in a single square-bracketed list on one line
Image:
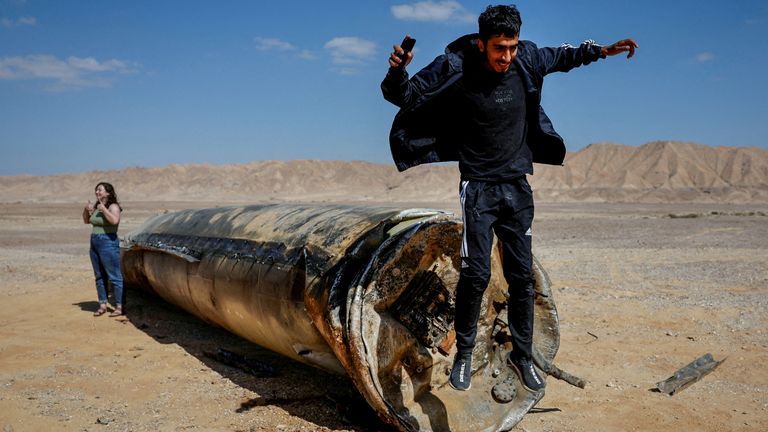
[(426, 308), (364, 291)]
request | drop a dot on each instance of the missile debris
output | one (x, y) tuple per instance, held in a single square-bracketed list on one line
[(368, 292)]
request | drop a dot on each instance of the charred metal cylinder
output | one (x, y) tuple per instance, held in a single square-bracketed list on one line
[(364, 291)]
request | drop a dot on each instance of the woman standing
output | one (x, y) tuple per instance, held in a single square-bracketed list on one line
[(105, 246)]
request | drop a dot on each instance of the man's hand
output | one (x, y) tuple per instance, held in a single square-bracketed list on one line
[(624, 45), (394, 58)]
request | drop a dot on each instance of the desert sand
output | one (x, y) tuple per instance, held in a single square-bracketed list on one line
[(642, 289)]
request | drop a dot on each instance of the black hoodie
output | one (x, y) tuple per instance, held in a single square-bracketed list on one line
[(419, 132)]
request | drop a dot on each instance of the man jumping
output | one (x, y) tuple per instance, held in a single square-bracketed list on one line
[(479, 104)]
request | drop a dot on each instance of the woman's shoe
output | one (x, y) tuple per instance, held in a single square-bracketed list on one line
[(101, 311), (117, 312)]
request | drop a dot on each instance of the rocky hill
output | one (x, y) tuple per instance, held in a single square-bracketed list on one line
[(659, 171)]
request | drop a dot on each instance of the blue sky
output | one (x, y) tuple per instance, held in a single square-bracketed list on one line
[(99, 85)]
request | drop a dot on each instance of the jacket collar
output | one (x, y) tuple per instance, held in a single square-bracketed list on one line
[(462, 44)]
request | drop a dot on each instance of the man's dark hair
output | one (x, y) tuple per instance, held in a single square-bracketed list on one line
[(499, 19)]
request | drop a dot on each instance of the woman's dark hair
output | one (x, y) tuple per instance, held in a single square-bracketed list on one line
[(501, 19), (112, 198)]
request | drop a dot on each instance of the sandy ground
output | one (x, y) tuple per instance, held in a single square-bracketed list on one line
[(639, 293)]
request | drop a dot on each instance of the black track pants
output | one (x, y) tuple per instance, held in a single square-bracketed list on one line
[(506, 209)]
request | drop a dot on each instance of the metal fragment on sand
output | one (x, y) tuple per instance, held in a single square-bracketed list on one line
[(688, 374)]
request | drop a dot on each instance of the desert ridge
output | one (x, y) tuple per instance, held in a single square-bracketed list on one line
[(656, 172)]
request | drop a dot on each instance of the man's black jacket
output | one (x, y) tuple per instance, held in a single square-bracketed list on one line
[(419, 133)]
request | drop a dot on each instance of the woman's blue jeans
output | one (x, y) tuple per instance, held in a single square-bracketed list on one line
[(105, 257)]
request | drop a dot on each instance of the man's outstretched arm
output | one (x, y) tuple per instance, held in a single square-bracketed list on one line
[(567, 57), (625, 45)]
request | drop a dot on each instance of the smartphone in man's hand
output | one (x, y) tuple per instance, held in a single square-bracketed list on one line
[(407, 46)]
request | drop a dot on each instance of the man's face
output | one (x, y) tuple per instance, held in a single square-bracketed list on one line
[(500, 51)]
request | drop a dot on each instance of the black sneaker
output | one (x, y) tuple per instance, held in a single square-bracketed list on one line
[(461, 373), (524, 369)]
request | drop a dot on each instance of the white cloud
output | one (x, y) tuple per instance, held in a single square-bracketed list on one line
[(347, 71), (307, 55), (23, 21), (27, 21), (350, 50), (66, 74), (432, 11), (275, 44), (269, 44), (705, 57)]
